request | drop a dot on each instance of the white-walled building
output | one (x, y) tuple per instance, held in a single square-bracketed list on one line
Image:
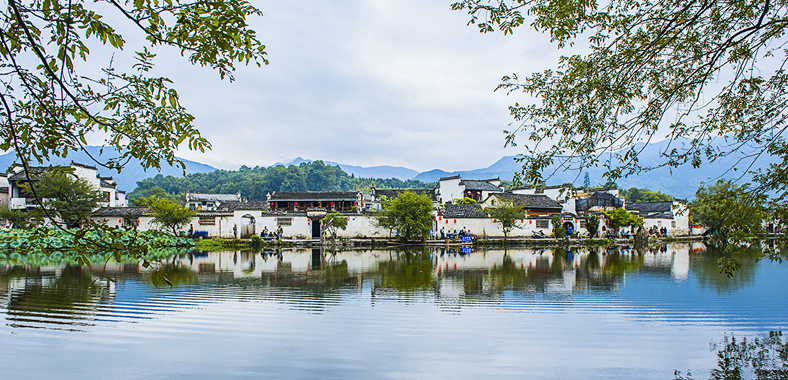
[(209, 202), (18, 199), (672, 215), (454, 187)]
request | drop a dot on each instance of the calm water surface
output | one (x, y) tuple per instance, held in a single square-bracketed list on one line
[(385, 314)]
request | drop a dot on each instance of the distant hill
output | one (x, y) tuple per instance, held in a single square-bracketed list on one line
[(128, 177), (681, 182), (383, 171)]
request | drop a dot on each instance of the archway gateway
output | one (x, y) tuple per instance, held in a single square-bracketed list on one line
[(247, 226)]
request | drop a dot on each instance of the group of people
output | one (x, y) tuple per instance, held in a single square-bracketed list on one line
[(275, 234), (661, 231), (453, 235)]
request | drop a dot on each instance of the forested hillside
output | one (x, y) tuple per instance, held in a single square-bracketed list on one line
[(255, 183)]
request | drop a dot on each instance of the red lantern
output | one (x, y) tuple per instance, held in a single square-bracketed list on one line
[(332, 203), (272, 204), (447, 221), (354, 203), (296, 204), (120, 220), (198, 221), (455, 221), (530, 222), (495, 220), (439, 217), (138, 221)]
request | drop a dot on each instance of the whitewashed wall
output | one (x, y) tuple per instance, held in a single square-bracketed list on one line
[(450, 189)]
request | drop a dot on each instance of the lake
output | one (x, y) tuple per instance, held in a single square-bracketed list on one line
[(439, 314)]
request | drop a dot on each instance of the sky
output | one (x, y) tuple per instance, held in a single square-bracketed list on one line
[(362, 82)]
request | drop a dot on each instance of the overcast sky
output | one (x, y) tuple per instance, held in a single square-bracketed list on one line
[(362, 82)]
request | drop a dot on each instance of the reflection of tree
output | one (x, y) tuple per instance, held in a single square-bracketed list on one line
[(617, 263), (407, 272), (707, 271), (174, 274), (765, 357), (507, 276), (331, 276), (74, 296)]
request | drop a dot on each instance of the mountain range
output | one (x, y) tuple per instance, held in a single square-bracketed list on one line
[(127, 178), (680, 182)]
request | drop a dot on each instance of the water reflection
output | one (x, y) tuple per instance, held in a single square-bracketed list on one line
[(616, 312), (461, 275)]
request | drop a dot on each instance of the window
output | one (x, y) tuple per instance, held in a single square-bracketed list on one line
[(284, 221), (542, 224), (673, 224), (105, 195), (582, 223), (207, 221), (659, 223)]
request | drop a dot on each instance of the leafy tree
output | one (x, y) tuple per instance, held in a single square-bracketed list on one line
[(559, 231), (410, 214), (707, 75), (507, 214), (332, 222), (635, 195), (766, 357), (732, 214), (66, 196), (16, 217), (622, 218), (149, 195), (255, 183), (592, 224), (51, 101), (464, 201), (170, 215)]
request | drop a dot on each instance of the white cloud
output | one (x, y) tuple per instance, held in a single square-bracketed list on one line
[(364, 83)]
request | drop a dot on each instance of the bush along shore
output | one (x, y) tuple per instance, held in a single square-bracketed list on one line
[(42, 246)]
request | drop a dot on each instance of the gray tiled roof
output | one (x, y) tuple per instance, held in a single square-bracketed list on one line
[(532, 201), (213, 197), (599, 199), (251, 205), (314, 196), (479, 186), (133, 212), (35, 171), (393, 193), (647, 208), (462, 211)]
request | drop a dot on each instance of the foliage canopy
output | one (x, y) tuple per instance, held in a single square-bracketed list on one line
[(620, 217), (707, 75), (409, 214), (255, 183), (170, 215), (66, 196), (52, 101), (508, 214)]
